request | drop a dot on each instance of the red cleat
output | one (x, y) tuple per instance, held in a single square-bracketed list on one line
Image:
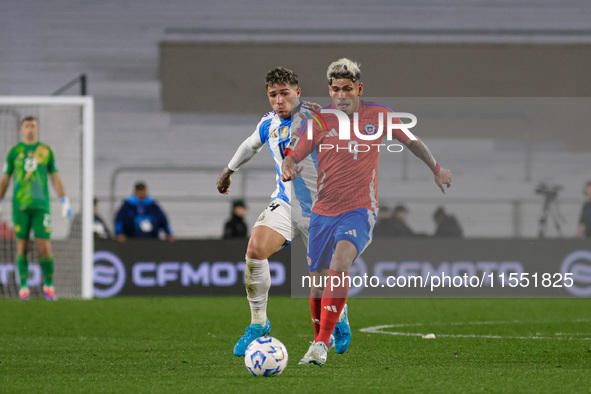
[(49, 292), (24, 294)]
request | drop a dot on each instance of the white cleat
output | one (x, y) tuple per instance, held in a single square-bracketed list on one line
[(306, 359), (317, 353)]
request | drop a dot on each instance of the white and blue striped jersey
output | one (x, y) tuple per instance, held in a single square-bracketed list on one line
[(275, 133)]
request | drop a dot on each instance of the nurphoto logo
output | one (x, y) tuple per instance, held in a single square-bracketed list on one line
[(370, 132)]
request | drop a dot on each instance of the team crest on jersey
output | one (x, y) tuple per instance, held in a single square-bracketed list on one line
[(284, 132), (370, 129), (21, 155), (41, 154)]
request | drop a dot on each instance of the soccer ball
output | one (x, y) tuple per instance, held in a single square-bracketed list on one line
[(265, 356)]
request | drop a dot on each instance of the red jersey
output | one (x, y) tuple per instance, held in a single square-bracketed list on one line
[(347, 168)]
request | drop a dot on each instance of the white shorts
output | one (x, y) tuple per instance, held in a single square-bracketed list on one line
[(280, 217)]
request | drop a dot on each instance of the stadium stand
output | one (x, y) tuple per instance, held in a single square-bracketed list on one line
[(62, 39)]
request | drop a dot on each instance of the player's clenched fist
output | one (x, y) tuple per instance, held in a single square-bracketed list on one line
[(224, 181)]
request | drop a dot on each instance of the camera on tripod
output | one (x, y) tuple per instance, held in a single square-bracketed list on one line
[(547, 190), (550, 207)]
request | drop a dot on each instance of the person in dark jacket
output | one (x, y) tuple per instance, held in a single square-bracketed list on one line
[(99, 227), (447, 225), (236, 227), (393, 223), (382, 227), (400, 227), (584, 228), (141, 217)]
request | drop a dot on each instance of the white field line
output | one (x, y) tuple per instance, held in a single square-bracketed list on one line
[(557, 336)]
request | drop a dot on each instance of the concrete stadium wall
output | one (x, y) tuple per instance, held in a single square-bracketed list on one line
[(229, 77), (194, 74)]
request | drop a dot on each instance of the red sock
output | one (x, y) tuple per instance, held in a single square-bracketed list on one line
[(315, 308), (334, 299)]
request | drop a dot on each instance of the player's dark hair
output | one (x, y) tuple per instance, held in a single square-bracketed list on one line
[(238, 203), (29, 119), (440, 211), (281, 76), (343, 68)]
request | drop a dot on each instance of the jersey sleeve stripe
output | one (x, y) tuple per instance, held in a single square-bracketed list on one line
[(264, 130)]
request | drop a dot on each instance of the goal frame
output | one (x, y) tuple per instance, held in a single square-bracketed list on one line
[(87, 104)]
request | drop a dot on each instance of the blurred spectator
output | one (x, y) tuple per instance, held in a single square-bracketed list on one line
[(99, 227), (447, 225), (399, 226), (236, 227), (141, 217), (382, 228), (393, 224), (584, 229)]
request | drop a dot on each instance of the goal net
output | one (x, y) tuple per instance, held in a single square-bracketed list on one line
[(67, 125)]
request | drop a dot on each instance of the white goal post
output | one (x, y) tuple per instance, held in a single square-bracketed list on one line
[(67, 125)]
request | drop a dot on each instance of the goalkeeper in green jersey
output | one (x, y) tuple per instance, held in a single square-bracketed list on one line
[(32, 163)]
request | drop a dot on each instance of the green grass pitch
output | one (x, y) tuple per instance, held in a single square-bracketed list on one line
[(142, 345)]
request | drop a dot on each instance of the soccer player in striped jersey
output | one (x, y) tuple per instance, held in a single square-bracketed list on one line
[(289, 210), (345, 212)]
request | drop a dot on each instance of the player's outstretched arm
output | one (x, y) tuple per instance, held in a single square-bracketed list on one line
[(246, 151), (224, 181), (442, 176)]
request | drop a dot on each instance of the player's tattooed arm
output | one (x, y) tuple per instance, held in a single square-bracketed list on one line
[(442, 176), (224, 181), (420, 150)]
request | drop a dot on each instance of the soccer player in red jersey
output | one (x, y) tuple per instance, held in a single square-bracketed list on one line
[(345, 212)]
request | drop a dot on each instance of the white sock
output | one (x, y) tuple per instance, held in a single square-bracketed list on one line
[(257, 283)]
